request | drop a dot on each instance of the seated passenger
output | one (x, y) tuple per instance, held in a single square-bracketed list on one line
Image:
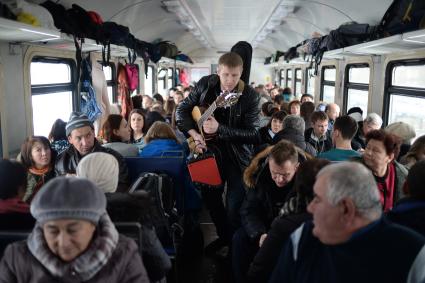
[(38, 158), (294, 107), (273, 127), (57, 136), (287, 94), (345, 128), (405, 132), (415, 154), (161, 141), (390, 175), (319, 136), (292, 215), (102, 169), (293, 131), (80, 133), (306, 98), (73, 239), (14, 213), (348, 240), (410, 211), (269, 180), (116, 134), (137, 127), (372, 122), (267, 110), (152, 117)]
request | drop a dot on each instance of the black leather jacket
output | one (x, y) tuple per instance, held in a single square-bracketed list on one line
[(67, 161), (238, 124)]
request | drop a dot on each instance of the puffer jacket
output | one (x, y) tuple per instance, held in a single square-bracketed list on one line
[(67, 162), (238, 124), (30, 261), (259, 206)]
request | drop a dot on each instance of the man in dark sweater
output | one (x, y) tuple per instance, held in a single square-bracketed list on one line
[(348, 240)]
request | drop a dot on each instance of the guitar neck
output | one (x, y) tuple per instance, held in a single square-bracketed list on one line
[(206, 115)]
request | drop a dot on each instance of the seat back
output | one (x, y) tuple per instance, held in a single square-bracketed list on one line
[(132, 230)]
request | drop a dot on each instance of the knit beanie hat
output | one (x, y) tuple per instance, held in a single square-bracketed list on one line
[(403, 130), (102, 169), (69, 198), (77, 120)]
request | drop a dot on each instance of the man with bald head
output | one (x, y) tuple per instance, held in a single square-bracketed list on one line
[(348, 239), (332, 110)]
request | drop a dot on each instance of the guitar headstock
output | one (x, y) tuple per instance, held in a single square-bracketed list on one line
[(227, 99)]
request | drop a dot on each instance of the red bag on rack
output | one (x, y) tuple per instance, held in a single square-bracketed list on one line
[(204, 170)]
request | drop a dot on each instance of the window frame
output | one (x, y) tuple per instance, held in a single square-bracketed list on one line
[(282, 77), (323, 82), (170, 77), (300, 81), (113, 81), (357, 86), (307, 79), (400, 90), (60, 87), (289, 79), (152, 80)]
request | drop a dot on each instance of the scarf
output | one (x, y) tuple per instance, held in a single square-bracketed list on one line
[(87, 264), (39, 172)]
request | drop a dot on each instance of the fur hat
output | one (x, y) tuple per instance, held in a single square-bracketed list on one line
[(69, 198), (403, 130), (77, 120), (102, 169)]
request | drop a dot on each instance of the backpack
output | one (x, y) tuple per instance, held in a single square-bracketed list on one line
[(402, 16), (161, 191)]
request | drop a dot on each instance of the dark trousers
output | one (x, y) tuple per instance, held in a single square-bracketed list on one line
[(243, 252), (226, 218)]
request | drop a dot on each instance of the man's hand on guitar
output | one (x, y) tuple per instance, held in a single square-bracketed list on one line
[(200, 144), (210, 126)]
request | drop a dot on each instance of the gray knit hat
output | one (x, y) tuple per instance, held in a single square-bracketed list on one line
[(69, 198), (77, 120)]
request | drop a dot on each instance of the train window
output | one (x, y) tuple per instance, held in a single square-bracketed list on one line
[(197, 73), (405, 94), (309, 81), (51, 92), (282, 78), (162, 88), (109, 72), (288, 78), (177, 78), (298, 82), (170, 75), (149, 82), (356, 90), (328, 84)]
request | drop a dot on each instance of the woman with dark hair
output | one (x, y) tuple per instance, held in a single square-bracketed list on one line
[(293, 213), (294, 107), (57, 136), (306, 109), (116, 134), (138, 127), (39, 160), (14, 213), (379, 156), (268, 132)]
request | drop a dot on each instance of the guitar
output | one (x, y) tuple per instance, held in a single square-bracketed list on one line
[(225, 99)]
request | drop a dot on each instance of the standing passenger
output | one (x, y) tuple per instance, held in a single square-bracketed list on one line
[(319, 136), (235, 130)]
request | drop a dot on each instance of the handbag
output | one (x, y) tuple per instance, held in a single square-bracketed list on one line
[(204, 171)]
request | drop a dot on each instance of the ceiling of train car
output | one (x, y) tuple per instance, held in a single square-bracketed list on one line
[(203, 27)]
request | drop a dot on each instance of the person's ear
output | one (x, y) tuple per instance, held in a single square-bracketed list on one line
[(348, 210)]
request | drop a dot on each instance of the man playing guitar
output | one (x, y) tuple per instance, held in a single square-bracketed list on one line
[(235, 131)]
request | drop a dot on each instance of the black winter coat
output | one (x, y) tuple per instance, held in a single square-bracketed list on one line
[(259, 207), (410, 213), (319, 146), (67, 162), (238, 124)]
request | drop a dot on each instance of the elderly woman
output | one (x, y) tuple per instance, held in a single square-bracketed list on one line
[(372, 122), (116, 133), (390, 175), (73, 240), (102, 169)]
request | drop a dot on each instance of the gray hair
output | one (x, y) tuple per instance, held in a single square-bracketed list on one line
[(373, 118), (294, 122), (353, 180)]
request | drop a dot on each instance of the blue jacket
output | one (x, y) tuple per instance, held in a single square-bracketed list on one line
[(162, 148)]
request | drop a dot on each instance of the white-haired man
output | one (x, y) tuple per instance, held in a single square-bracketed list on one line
[(348, 240)]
